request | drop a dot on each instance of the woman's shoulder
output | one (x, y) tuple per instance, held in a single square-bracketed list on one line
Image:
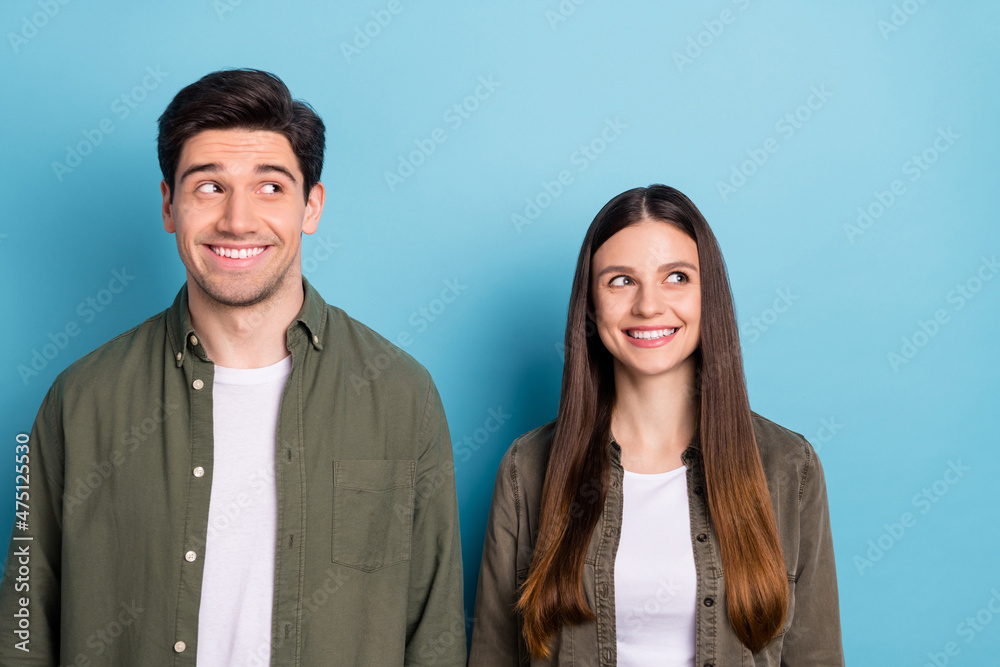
[(784, 453), (530, 451)]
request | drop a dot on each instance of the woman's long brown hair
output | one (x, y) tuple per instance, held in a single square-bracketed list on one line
[(580, 463)]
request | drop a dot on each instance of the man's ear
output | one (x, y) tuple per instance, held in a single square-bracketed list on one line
[(314, 208), (167, 210)]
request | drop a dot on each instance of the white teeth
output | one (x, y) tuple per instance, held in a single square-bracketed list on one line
[(651, 335), (242, 253)]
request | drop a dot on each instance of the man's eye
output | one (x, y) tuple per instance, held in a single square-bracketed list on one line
[(620, 281), (270, 189), (677, 277), (208, 188)]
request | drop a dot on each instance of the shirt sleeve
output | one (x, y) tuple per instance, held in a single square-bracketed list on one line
[(496, 635), (435, 633), (814, 639), (30, 589)]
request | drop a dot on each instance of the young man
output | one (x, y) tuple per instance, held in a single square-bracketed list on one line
[(254, 497)]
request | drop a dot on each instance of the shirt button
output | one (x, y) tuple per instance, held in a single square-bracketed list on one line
[(604, 590), (190, 557), (702, 537), (612, 531), (698, 490), (180, 355), (198, 384), (315, 339), (194, 340), (607, 654), (198, 472), (709, 602), (179, 647)]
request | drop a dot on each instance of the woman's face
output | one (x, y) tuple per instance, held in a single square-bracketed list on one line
[(646, 297)]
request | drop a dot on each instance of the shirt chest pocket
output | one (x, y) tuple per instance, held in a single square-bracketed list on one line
[(372, 513)]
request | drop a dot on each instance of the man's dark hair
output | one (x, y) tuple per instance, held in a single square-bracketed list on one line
[(248, 99)]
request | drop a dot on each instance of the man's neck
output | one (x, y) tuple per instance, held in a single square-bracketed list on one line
[(244, 337)]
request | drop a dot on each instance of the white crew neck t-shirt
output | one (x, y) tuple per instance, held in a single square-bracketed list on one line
[(656, 584), (234, 619)]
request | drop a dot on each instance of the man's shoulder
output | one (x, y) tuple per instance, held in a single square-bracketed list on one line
[(131, 351), (368, 355)]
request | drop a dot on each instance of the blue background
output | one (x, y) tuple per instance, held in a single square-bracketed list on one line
[(696, 94)]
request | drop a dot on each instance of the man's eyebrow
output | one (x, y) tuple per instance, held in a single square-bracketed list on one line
[(214, 168), (270, 168), (663, 268), (209, 167)]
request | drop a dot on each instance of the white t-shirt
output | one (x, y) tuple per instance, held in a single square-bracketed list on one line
[(234, 620), (656, 584)]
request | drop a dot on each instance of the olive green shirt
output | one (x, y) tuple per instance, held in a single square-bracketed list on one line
[(811, 633), (108, 570)]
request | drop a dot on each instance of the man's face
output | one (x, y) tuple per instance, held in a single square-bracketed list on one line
[(238, 212)]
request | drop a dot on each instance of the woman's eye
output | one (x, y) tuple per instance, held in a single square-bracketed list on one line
[(270, 188), (620, 281), (207, 188), (677, 277)]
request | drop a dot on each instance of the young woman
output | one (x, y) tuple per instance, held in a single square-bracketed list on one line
[(657, 520)]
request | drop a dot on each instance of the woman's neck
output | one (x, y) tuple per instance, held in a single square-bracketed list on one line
[(654, 417)]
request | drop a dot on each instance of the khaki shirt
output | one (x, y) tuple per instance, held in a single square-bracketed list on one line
[(811, 634), (107, 567)]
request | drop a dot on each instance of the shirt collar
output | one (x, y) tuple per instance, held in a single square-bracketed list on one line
[(310, 323)]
